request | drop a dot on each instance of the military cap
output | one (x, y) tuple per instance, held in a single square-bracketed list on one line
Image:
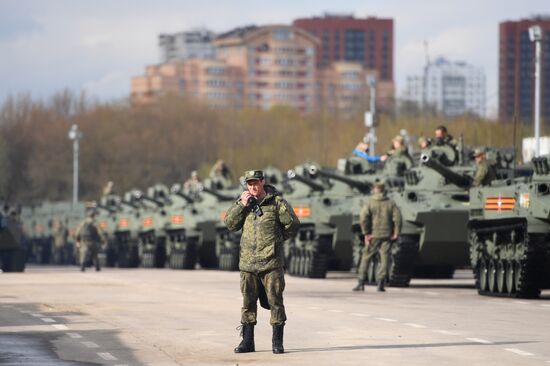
[(253, 175), (479, 151), (378, 185), (399, 139)]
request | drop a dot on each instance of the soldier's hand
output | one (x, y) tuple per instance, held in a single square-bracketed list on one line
[(384, 157), (78, 244), (368, 239), (394, 237), (245, 196)]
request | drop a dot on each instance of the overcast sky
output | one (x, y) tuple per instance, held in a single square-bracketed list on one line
[(48, 45)]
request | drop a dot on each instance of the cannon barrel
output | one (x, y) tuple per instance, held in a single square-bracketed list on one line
[(362, 186), (155, 201), (186, 197), (457, 179), (218, 195), (291, 174), (105, 208)]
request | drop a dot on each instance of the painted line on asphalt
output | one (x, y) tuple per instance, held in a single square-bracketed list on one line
[(107, 356), (413, 325), (360, 314), (60, 326), (479, 340), (386, 319), (521, 302), (446, 332), (74, 335), (431, 293), (47, 320), (336, 311), (37, 315), (545, 305), (518, 352), (90, 344), (314, 308)]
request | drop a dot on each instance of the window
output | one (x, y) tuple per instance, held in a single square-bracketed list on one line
[(282, 34)]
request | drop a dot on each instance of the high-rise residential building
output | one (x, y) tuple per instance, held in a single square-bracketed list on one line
[(517, 69), (212, 81), (278, 64), (187, 45), (451, 88), (367, 41)]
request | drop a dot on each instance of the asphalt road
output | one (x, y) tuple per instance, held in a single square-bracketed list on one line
[(59, 316)]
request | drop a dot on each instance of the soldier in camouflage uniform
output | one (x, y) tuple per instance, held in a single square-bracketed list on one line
[(380, 222), (485, 173), (266, 220), (89, 239), (60, 235)]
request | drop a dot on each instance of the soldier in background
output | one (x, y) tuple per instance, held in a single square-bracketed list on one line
[(398, 160), (194, 182), (266, 220), (108, 189), (380, 222), (485, 172), (442, 137), (60, 235), (221, 174), (89, 240)]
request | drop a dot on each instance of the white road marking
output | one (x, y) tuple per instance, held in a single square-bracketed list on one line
[(47, 320), (518, 352), (60, 326), (335, 311), (314, 308), (90, 344), (387, 319), (107, 356), (479, 340), (25, 311), (447, 332), (359, 314), (431, 293), (521, 302), (37, 315), (545, 305), (413, 325), (74, 335)]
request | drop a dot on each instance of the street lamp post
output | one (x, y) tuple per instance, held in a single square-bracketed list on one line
[(535, 35), (75, 135), (370, 115)]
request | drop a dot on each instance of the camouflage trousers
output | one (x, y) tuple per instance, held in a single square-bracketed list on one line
[(89, 251), (381, 246), (274, 283)]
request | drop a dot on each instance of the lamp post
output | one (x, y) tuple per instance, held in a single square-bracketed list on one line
[(75, 135), (370, 115), (535, 35)]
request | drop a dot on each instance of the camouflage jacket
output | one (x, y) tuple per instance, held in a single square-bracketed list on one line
[(484, 175), (89, 232), (263, 236), (398, 161), (380, 217)]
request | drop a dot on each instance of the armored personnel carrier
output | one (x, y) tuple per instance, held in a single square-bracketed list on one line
[(509, 234), (126, 229)]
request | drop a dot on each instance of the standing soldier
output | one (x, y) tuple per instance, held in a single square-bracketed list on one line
[(485, 173), (60, 235), (380, 222), (266, 220), (89, 239)]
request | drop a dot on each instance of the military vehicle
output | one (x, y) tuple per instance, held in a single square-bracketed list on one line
[(434, 209), (126, 228), (106, 217), (509, 230), (12, 250), (152, 234)]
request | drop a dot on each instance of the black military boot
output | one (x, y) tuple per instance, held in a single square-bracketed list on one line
[(277, 340), (381, 286), (247, 344), (360, 286)]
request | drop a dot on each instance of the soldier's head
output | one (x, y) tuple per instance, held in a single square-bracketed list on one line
[(378, 187), (255, 182), (479, 154), (398, 141), (441, 132)]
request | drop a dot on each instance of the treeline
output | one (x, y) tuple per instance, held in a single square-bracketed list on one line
[(139, 145)]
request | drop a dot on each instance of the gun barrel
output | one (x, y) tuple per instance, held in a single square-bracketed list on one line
[(362, 186), (218, 195), (457, 179), (291, 174), (156, 202)]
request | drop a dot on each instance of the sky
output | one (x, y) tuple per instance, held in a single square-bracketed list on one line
[(97, 46)]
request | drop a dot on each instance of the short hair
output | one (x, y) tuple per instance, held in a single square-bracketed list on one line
[(441, 128)]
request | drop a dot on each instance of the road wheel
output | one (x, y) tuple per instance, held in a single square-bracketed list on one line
[(510, 277), (501, 276), (483, 275), (492, 276)]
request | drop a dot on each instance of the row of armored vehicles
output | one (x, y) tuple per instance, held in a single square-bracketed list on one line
[(447, 224)]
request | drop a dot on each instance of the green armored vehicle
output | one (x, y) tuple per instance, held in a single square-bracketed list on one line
[(12, 250), (107, 209), (509, 234), (126, 228)]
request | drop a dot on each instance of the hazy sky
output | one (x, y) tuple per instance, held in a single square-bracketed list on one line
[(48, 45)]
